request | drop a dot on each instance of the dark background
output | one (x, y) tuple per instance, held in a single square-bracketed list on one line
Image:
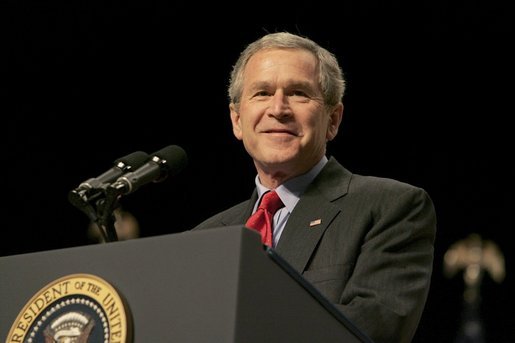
[(429, 101)]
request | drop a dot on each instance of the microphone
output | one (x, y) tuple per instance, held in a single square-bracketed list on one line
[(93, 187), (163, 163)]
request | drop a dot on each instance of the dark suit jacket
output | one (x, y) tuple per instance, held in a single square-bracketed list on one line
[(372, 254)]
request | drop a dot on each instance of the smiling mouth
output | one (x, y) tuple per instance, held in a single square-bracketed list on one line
[(281, 132)]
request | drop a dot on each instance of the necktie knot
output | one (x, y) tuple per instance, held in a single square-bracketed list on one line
[(262, 219), (271, 202)]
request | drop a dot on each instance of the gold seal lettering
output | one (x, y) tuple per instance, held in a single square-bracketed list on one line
[(57, 293)]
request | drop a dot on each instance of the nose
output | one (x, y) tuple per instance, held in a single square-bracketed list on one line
[(279, 106)]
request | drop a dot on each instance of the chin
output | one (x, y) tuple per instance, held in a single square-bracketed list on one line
[(279, 162), (280, 156)]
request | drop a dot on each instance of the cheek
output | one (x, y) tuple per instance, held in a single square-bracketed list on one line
[(247, 119), (316, 128), (244, 128), (321, 126)]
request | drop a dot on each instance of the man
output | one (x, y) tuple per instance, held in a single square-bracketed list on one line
[(365, 242)]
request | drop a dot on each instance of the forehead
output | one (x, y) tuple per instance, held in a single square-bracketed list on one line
[(281, 61)]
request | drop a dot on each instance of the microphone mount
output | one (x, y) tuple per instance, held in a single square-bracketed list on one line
[(89, 196), (99, 197)]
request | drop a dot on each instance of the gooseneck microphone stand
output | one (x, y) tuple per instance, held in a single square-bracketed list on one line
[(100, 211)]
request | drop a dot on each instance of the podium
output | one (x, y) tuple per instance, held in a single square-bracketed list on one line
[(216, 285)]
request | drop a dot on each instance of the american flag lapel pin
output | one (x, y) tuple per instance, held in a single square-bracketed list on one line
[(315, 222)]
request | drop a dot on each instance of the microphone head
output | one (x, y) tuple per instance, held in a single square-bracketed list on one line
[(132, 161), (173, 158)]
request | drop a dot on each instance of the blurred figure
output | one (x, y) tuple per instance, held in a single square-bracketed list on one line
[(126, 226), (473, 256)]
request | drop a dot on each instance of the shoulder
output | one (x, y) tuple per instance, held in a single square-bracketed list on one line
[(392, 199), (382, 185), (369, 187)]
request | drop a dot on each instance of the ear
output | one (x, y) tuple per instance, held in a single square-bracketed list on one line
[(235, 120), (335, 119)]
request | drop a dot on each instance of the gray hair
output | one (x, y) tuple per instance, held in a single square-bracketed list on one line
[(330, 75)]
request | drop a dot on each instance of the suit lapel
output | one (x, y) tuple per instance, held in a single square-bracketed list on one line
[(312, 215), (238, 216), (304, 229)]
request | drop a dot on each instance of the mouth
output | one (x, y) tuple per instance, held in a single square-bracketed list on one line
[(280, 132)]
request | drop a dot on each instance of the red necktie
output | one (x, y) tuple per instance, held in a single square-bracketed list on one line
[(262, 219)]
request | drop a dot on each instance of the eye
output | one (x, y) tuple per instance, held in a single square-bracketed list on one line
[(299, 93), (261, 93)]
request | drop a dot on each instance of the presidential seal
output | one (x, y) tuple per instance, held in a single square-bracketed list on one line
[(76, 308)]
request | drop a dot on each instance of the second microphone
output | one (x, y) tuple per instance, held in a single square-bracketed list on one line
[(163, 163)]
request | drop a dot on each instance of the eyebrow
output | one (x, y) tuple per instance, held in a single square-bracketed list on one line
[(290, 84)]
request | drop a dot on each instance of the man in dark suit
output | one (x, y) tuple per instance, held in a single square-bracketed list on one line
[(366, 243)]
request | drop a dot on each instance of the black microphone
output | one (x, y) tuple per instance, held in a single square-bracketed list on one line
[(163, 163), (91, 188)]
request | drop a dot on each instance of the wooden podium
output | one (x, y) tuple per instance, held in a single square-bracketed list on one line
[(216, 285)]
